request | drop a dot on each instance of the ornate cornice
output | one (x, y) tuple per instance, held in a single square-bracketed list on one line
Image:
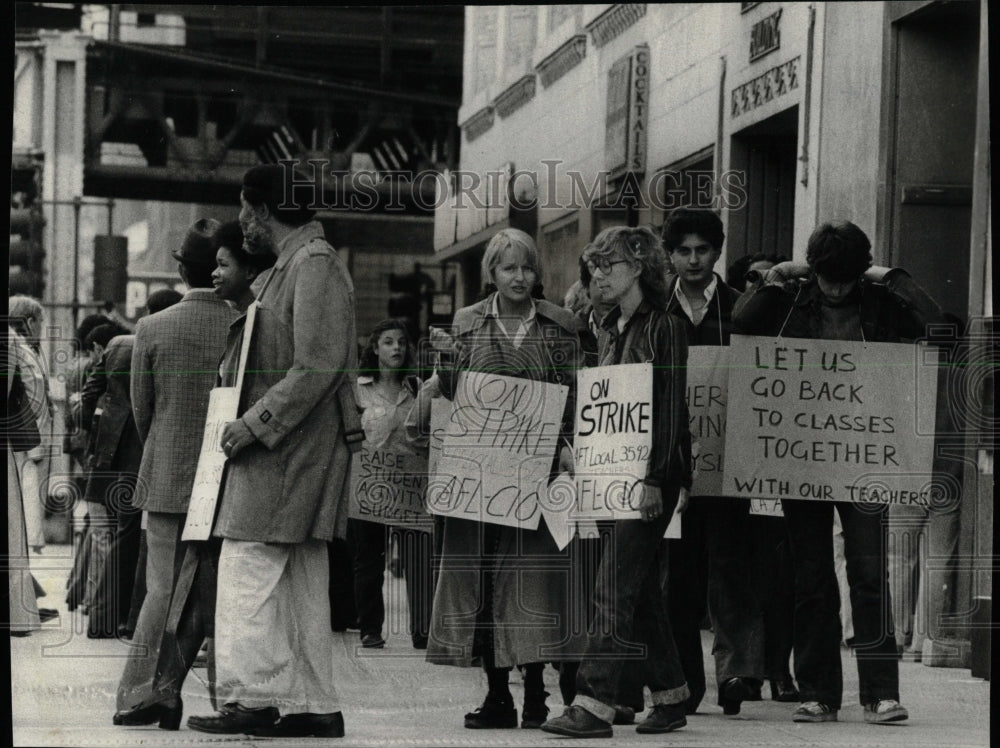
[(478, 123), (515, 96), (614, 21), (564, 59)]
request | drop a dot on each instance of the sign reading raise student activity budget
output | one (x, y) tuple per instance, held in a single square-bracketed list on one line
[(387, 486), (614, 438), (497, 452), (830, 420), (707, 384)]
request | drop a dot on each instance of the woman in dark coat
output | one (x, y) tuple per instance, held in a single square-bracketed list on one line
[(513, 608)]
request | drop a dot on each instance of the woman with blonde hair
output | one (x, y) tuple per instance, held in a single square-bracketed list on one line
[(501, 597)]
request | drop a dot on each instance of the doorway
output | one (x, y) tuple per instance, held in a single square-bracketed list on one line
[(766, 155), (931, 155)]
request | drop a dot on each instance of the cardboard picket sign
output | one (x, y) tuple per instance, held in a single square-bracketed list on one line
[(388, 486), (499, 443), (830, 420), (441, 408), (707, 387), (766, 507), (614, 439), (223, 407)]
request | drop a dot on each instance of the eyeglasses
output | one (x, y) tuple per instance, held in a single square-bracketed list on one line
[(603, 264)]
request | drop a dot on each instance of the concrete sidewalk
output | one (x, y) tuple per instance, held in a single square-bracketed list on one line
[(63, 688)]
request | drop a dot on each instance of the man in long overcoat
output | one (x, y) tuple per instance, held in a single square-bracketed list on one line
[(286, 487)]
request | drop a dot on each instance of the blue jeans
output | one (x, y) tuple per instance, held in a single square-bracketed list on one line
[(631, 621), (817, 601)]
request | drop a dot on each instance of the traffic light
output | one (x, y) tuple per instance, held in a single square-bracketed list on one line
[(26, 252), (27, 256)]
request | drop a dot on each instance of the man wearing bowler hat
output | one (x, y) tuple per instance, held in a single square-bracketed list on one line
[(175, 363), (286, 487)]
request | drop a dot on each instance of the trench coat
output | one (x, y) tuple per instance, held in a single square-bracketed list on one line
[(291, 484), (534, 610)]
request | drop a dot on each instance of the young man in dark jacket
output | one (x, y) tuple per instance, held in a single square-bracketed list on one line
[(837, 295), (718, 534)]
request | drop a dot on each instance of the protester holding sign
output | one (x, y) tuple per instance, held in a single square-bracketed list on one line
[(285, 493), (836, 297), (501, 597), (385, 393), (628, 264), (719, 538)]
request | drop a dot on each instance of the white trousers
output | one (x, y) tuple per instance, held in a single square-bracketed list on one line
[(273, 641)]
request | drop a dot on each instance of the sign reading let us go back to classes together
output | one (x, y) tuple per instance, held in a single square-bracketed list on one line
[(614, 438), (830, 420), (496, 455)]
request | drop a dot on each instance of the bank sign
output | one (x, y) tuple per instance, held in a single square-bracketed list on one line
[(627, 113)]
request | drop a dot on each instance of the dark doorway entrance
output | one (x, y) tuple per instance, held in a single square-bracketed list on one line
[(936, 53), (766, 154)]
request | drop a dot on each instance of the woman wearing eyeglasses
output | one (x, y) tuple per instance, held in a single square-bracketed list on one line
[(627, 265), (501, 597)]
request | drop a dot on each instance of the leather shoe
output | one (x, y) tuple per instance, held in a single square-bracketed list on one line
[(167, 712), (577, 722), (534, 712), (494, 714), (234, 719), (734, 692), (47, 614), (663, 718), (305, 725), (372, 641), (784, 690)]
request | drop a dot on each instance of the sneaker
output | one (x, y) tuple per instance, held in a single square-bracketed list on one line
[(577, 722), (884, 711), (813, 711), (663, 718)]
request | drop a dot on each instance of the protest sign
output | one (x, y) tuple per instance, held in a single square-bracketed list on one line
[(828, 420), (223, 407), (440, 413), (387, 486), (707, 383), (766, 507), (614, 436), (498, 448)]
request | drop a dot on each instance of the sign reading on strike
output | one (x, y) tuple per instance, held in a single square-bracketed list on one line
[(388, 486), (707, 384), (497, 452), (614, 438), (829, 420)]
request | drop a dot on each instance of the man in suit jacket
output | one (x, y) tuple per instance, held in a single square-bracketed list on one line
[(174, 368)]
